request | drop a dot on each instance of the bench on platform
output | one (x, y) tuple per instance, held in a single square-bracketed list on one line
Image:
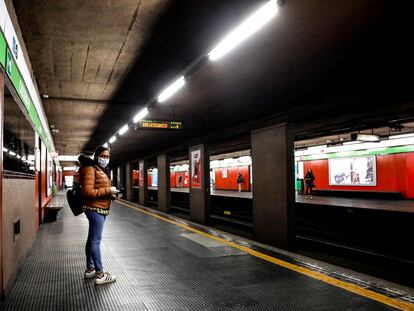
[(384, 195), (52, 208)]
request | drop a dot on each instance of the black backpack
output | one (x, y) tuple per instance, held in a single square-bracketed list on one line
[(75, 199)]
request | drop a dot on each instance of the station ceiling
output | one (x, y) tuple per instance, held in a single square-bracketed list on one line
[(325, 66)]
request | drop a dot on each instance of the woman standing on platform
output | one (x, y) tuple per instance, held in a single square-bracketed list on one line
[(97, 194), (310, 182), (240, 181)]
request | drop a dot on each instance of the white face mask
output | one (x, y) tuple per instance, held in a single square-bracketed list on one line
[(103, 162)]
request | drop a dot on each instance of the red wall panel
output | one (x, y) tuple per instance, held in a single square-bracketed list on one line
[(135, 178), (395, 172), (410, 175), (185, 181), (173, 184), (230, 183)]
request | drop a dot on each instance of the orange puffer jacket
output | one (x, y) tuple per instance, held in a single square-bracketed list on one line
[(96, 186)]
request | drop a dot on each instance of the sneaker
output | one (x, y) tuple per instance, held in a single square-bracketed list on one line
[(89, 273), (104, 278)]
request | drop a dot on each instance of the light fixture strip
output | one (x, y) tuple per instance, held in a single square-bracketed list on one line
[(233, 39), (401, 136), (171, 89), (123, 129), (245, 30), (141, 115)]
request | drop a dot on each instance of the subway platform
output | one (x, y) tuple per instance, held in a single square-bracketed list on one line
[(165, 263)]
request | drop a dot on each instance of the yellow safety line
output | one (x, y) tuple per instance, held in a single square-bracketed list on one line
[(316, 275)]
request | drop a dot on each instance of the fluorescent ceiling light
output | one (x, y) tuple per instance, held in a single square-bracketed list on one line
[(18, 156), (67, 158), (105, 145), (123, 129), (317, 147), (365, 137), (31, 157), (141, 115), (113, 138), (245, 30), (12, 153), (170, 90), (5, 149), (351, 142), (70, 168), (401, 136)]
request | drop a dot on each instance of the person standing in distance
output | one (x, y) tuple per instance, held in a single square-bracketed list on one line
[(97, 195), (309, 179), (239, 181)]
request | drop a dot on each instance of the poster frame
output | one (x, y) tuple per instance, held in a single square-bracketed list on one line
[(373, 184)]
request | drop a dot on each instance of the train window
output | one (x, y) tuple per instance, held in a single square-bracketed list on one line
[(18, 138)]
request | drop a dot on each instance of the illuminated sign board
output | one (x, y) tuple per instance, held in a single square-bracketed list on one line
[(163, 125)]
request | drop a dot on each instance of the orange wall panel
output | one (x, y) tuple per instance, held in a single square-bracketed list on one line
[(230, 182), (185, 181), (395, 172)]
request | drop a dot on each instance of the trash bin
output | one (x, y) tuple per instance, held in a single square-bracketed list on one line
[(299, 185)]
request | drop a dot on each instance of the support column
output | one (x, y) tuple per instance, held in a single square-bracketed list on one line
[(163, 163), (128, 181), (118, 178), (273, 185), (199, 183), (143, 182)]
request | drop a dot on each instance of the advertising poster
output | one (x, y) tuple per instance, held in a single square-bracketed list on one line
[(196, 169), (141, 174), (357, 171), (154, 178), (49, 174)]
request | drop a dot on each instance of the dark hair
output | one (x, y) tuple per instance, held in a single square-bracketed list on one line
[(99, 150)]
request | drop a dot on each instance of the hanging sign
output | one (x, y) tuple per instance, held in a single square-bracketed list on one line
[(163, 125)]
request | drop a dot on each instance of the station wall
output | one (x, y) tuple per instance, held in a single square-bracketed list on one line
[(17, 202), (226, 178), (185, 180), (395, 172)]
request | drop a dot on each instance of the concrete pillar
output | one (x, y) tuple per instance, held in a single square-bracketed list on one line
[(128, 181), (273, 185), (118, 178), (143, 182), (199, 183), (164, 183)]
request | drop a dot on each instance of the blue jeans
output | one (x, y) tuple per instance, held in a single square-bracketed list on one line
[(93, 244)]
